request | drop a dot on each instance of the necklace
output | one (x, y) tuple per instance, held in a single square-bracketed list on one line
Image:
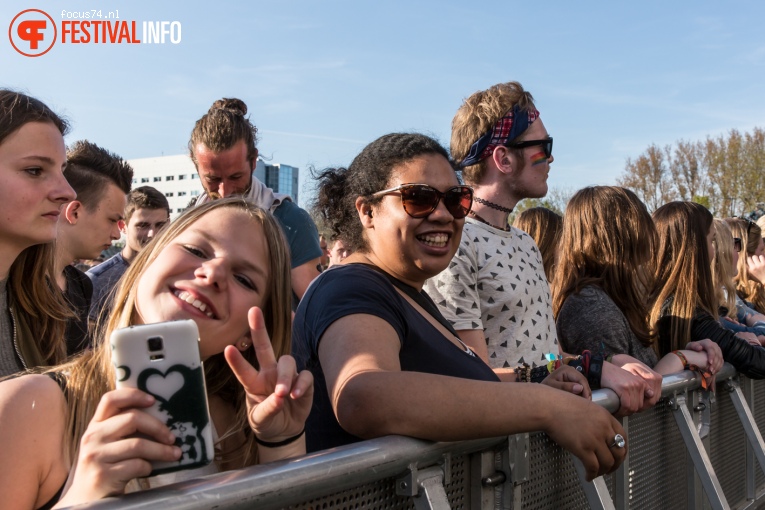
[(498, 207), (476, 216)]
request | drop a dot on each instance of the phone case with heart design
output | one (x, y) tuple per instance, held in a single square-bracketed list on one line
[(162, 359)]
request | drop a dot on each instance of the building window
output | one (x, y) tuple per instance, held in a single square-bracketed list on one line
[(169, 194), (170, 178), (181, 193), (144, 179), (194, 176), (195, 193), (181, 177), (135, 181), (157, 179), (180, 209)]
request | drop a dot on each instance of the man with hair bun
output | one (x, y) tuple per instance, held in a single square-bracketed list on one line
[(494, 291), (223, 148), (146, 213)]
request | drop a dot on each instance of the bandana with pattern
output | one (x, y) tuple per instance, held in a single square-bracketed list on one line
[(509, 127)]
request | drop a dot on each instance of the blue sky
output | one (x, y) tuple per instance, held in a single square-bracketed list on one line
[(322, 79)]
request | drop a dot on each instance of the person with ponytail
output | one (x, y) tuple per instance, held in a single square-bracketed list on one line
[(223, 149), (385, 360)]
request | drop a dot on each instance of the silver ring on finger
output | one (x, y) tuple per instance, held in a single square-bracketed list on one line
[(619, 441)]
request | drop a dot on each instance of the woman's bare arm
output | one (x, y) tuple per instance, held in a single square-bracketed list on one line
[(372, 397), (32, 414)]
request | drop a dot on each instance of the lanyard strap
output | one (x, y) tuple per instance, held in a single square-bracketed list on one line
[(421, 298)]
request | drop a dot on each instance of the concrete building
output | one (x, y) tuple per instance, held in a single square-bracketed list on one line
[(177, 178)]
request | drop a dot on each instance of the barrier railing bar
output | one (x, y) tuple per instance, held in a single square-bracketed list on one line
[(751, 484), (282, 483), (747, 421), (279, 484), (485, 478), (621, 476), (595, 491), (430, 494), (698, 453)]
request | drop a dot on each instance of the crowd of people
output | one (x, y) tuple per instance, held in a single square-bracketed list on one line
[(418, 311)]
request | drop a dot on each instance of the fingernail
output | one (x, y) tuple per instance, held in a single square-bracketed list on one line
[(148, 399), (578, 388), (170, 438), (297, 393), (176, 452)]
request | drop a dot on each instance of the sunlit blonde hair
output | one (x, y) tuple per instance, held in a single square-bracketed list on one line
[(722, 268), (477, 116), (748, 289), (683, 271), (545, 227), (91, 375), (608, 237)]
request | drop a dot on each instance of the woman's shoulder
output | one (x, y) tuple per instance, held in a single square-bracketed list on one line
[(589, 296), (30, 402), (351, 280), (32, 418), (38, 388)]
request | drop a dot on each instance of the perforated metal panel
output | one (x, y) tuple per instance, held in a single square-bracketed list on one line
[(553, 482), (381, 495), (759, 417), (727, 443), (657, 460)]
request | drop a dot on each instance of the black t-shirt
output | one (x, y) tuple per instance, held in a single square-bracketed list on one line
[(356, 289), (79, 290)]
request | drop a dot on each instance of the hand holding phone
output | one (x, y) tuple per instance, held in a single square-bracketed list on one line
[(162, 360), (110, 456)]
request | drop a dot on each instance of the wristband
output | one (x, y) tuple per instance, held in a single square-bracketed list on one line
[(595, 372), (683, 359), (277, 444)]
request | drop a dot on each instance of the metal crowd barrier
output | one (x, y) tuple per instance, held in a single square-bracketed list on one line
[(694, 449)]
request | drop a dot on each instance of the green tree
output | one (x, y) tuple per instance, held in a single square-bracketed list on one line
[(649, 176)]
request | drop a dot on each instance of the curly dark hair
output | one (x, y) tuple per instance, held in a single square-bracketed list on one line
[(369, 172)]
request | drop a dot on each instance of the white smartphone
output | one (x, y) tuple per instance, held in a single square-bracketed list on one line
[(162, 360)]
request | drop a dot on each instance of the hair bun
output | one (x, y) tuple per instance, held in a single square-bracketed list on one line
[(233, 105)]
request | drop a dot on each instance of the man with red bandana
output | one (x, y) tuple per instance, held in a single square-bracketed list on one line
[(494, 291)]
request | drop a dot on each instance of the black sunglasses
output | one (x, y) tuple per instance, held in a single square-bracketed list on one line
[(546, 145), (419, 200), (737, 244), (749, 224)]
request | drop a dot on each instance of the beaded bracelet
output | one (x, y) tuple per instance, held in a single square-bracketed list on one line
[(525, 373), (277, 444)]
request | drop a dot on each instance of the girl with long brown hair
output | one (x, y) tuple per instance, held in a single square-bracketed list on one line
[(751, 265), (224, 265), (685, 306), (544, 226), (599, 291), (32, 190), (735, 314)]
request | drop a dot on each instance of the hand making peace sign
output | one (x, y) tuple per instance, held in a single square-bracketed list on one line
[(278, 398)]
